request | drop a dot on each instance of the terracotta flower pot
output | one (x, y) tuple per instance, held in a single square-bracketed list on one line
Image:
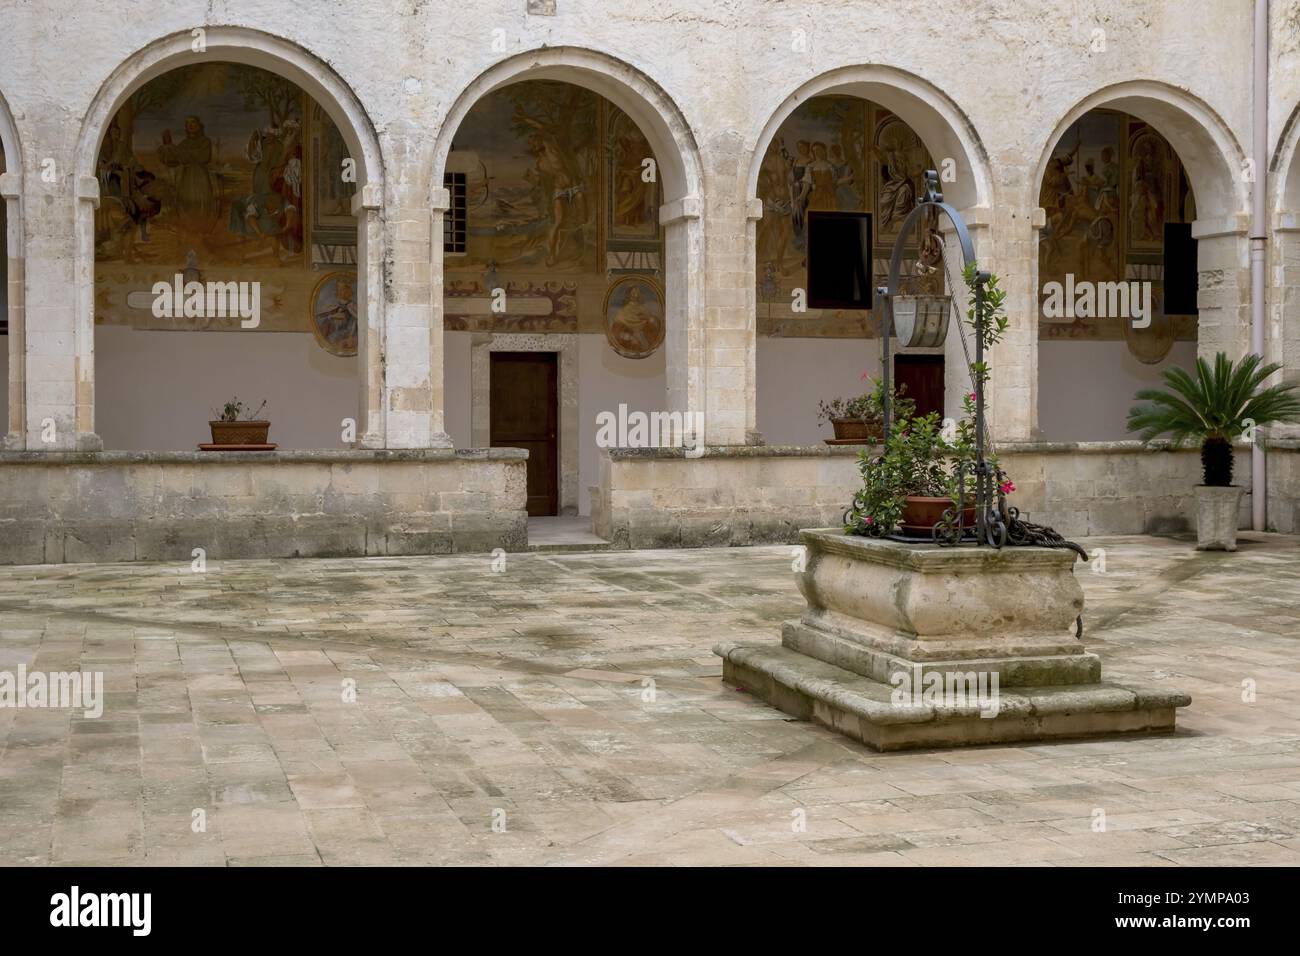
[(239, 433), (854, 429), (921, 514)]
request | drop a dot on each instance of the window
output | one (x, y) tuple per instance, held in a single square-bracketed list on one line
[(1180, 269), (454, 220), (839, 260)]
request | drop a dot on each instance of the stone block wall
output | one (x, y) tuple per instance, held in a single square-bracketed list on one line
[(658, 498), (1284, 486), (734, 495), (160, 506), (1094, 488)]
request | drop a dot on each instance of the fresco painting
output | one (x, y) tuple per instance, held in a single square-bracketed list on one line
[(845, 154), (1111, 185), (206, 171)]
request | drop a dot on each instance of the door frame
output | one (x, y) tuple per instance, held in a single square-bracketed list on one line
[(565, 345)]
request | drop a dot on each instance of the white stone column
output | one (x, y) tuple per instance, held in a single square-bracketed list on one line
[(1223, 297), (411, 372), (753, 213), (1282, 332), (1005, 245), (11, 184), (370, 331), (685, 335)]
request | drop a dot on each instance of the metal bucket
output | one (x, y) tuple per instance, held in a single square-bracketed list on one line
[(921, 321)]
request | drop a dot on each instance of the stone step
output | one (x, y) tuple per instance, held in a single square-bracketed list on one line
[(569, 546), (865, 710)]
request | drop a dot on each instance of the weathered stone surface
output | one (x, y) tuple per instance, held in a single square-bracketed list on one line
[(861, 708), (883, 616), (1216, 517), (764, 494), (113, 506)]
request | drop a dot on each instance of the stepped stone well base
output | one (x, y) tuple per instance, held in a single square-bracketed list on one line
[(906, 646)]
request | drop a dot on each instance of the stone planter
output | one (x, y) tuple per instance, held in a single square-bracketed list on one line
[(1217, 513), (239, 433), (988, 634), (852, 429)]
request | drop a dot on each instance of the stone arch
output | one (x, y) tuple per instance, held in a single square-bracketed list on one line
[(334, 95), (682, 176), (11, 193), (1214, 162), (946, 132), (941, 124), (1210, 153)]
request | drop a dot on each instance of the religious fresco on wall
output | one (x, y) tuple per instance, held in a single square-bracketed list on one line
[(218, 172), (845, 154), (634, 317), (538, 201), (334, 313), (1111, 185), (558, 210)]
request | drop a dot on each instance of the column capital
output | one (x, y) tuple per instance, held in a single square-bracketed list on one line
[(88, 190), (369, 196), (688, 207), (754, 208), (11, 185)]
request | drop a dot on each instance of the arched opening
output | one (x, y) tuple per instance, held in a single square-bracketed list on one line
[(1137, 260), (233, 250), (853, 145), (569, 267)]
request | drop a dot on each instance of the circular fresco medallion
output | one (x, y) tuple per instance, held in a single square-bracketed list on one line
[(334, 313), (634, 317)]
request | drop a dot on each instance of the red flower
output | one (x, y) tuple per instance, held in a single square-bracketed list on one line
[(1007, 487)]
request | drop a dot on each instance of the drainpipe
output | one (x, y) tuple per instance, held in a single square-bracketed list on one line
[(1258, 240)]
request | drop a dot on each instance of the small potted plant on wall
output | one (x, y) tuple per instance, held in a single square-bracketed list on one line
[(862, 418), (238, 424), (1215, 406)]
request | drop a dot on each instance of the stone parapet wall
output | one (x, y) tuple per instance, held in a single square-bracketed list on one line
[(160, 506), (1092, 488), (654, 498), (1284, 486)]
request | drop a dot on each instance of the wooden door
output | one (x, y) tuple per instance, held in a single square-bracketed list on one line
[(923, 376), (524, 401)]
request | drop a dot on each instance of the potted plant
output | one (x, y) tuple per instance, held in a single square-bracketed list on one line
[(862, 418), (1214, 406), (238, 424), (917, 482), (923, 480)]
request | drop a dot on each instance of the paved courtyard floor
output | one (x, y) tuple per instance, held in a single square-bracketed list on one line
[(566, 709)]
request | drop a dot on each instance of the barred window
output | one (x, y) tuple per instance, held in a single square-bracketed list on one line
[(454, 219)]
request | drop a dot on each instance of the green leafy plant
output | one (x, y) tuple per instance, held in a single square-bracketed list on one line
[(921, 458), (235, 410), (867, 407), (996, 322), (1214, 406)]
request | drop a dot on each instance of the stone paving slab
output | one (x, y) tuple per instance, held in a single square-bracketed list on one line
[(566, 710)]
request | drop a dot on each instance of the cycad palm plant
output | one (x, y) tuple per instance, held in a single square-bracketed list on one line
[(1214, 406)]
